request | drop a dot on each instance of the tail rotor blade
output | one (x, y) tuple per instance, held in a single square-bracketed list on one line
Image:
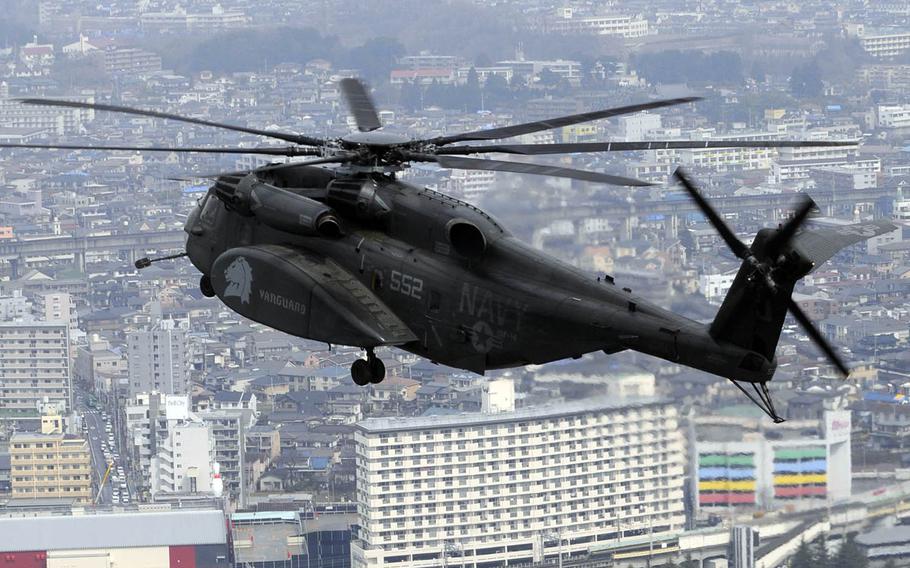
[(780, 239), (737, 246), (816, 337)]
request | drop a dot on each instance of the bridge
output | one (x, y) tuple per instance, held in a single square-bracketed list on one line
[(17, 251)]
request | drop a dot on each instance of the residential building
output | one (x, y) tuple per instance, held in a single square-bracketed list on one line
[(184, 462), (229, 428), (609, 25), (34, 368), (516, 487), (50, 465), (157, 359)]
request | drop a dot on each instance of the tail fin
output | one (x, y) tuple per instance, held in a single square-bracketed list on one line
[(752, 314)]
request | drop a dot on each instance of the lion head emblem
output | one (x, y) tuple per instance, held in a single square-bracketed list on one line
[(239, 278)]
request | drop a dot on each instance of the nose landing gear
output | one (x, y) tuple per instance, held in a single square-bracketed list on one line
[(369, 370)]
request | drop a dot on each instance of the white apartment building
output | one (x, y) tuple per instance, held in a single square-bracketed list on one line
[(157, 359), (185, 459), (34, 368), (610, 25), (885, 44), (176, 449), (893, 116), (714, 286), (56, 306), (522, 486), (470, 185), (61, 121)]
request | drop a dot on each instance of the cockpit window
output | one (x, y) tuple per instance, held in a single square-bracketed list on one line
[(210, 207)]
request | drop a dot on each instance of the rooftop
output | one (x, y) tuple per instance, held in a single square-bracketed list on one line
[(597, 404), (114, 530)]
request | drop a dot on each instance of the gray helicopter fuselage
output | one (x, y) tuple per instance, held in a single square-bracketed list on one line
[(509, 306)]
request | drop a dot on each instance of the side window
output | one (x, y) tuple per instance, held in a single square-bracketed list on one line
[(376, 280)]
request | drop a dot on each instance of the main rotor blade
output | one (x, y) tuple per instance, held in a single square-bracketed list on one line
[(570, 148), (529, 127), (736, 245), (286, 151), (337, 159), (360, 104), (816, 336), (780, 239), (460, 163), (286, 136)]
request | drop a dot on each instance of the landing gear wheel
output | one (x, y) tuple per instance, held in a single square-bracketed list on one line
[(360, 372), (205, 286), (377, 370)]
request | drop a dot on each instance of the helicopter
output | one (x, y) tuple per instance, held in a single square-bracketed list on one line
[(352, 255)]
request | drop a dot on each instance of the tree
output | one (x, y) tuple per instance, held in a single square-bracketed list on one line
[(850, 554), (820, 556), (410, 96), (548, 78), (802, 558), (806, 81), (472, 91), (376, 57), (496, 90)]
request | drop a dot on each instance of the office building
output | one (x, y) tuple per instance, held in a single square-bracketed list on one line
[(522, 486), (34, 368)]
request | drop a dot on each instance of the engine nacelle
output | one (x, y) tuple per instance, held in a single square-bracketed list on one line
[(358, 197), (466, 238), (292, 213)]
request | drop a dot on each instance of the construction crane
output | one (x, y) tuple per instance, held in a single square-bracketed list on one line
[(104, 478)]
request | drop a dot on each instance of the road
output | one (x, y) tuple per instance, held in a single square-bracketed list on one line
[(98, 442), (96, 438)]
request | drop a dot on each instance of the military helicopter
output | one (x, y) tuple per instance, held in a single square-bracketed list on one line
[(354, 256)]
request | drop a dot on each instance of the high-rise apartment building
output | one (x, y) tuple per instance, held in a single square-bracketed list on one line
[(34, 368), (522, 486), (184, 463), (157, 359)]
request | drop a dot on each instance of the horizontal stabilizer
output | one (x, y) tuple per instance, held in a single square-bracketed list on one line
[(818, 243)]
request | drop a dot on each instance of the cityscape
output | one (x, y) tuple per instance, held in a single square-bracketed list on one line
[(144, 423)]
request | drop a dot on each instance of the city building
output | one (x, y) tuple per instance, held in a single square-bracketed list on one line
[(184, 461), (610, 25), (523, 486), (229, 428), (34, 368), (150, 539), (157, 359), (50, 464), (884, 544), (735, 462), (60, 121)]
